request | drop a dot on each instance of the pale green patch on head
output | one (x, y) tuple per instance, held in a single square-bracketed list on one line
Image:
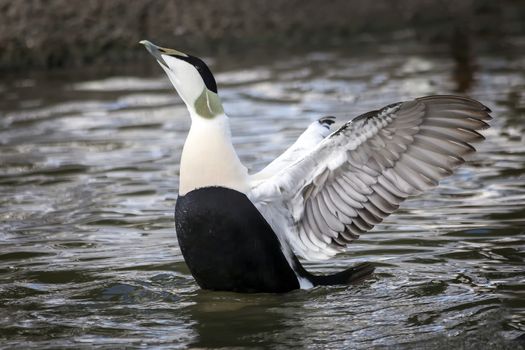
[(208, 105)]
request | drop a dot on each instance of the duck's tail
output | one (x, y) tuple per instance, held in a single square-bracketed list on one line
[(352, 274), (347, 276)]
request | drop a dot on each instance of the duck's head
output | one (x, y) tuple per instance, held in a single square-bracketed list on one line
[(192, 79)]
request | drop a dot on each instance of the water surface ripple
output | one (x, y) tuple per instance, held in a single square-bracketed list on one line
[(88, 183)]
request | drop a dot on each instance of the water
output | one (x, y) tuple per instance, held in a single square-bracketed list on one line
[(88, 183)]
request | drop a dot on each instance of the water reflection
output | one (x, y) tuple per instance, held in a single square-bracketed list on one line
[(88, 176), (232, 320)]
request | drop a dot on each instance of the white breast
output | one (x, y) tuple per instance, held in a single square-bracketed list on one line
[(209, 159)]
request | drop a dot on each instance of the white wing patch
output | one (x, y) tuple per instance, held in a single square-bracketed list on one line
[(358, 175), (308, 140)]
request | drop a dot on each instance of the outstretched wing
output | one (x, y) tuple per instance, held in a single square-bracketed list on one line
[(360, 174), (309, 139)]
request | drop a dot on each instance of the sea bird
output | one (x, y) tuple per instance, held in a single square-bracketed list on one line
[(240, 232)]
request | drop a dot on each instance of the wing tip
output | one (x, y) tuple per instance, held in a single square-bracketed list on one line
[(327, 120), (464, 99)]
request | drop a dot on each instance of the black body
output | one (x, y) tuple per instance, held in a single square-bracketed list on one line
[(229, 246)]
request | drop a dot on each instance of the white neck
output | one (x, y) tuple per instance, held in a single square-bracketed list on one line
[(208, 157)]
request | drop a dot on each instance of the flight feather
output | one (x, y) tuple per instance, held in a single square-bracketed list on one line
[(350, 180)]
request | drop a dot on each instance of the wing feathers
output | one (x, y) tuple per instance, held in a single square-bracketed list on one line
[(329, 219), (452, 134), (361, 173), (338, 207), (387, 194), (356, 195)]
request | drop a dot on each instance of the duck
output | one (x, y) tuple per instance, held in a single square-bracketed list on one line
[(243, 232)]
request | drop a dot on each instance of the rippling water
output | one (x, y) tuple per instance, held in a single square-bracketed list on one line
[(88, 183)]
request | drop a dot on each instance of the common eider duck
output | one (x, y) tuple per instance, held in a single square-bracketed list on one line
[(240, 232)]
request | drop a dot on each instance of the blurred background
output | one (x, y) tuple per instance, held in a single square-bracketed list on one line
[(90, 139), (61, 33)]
